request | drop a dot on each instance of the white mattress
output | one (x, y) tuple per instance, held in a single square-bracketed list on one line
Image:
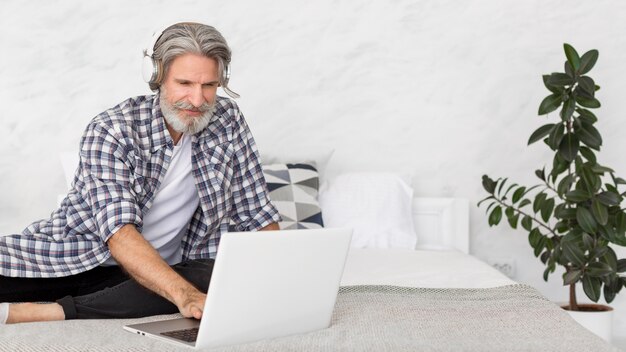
[(419, 268)]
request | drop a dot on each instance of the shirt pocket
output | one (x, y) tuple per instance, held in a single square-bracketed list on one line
[(220, 158), (217, 154), (141, 184)]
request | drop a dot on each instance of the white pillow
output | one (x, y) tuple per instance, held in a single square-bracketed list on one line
[(378, 206)]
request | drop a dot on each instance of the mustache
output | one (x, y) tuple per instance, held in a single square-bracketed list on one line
[(188, 106)]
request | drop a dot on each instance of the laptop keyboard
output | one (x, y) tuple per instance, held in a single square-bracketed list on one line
[(187, 335)]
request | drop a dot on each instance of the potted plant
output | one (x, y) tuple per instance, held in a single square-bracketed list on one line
[(574, 214)]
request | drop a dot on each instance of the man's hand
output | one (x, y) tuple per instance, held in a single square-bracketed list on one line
[(191, 304), (145, 265), (271, 227)]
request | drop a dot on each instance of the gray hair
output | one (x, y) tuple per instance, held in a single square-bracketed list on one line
[(192, 38)]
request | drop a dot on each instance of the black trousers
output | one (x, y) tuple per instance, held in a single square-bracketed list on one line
[(103, 292)]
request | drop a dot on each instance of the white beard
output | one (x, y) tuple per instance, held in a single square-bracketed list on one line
[(189, 125)]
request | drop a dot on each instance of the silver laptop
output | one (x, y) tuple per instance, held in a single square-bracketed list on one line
[(264, 285)]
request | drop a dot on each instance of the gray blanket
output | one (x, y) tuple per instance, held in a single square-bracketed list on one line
[(366, 318)]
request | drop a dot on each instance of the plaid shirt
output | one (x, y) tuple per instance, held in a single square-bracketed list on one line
[(124, 154)]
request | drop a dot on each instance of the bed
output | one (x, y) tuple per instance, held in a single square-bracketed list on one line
[(425, 293)]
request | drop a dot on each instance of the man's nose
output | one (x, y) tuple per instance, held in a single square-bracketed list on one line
[(196, 97)]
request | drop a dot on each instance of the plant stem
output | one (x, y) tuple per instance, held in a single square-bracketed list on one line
[(523, 213), (573, 304)]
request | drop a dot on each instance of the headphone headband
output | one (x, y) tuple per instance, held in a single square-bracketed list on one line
[(152, 69)]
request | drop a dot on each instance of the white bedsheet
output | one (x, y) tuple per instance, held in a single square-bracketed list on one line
[(419, 268)]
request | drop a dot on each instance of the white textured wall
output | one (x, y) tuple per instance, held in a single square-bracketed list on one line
[(447, 90)]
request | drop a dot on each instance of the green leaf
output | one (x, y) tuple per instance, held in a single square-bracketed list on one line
[(568, 109), (560, 79), (549, 104), (588, 154), (609, 198), (568, 148), (573, 253), (545, 256), (591, 286), (556, 135), (539, 199), (586, 220), (587, 61), (607, 232), (527, 223), (590, 179), (559, 165), (600, 212), (588, 241), (610, 258), (620, 240), (599, 169), (589, 135), (546, 273), (541, 174), (512, 217), (621, 265), (546, 209), (534, 237), (587, 84), (599, 269), (540, 133), (568, 69), (502, 182), (561, 227), (565, 185), (588, 103), (611, 188), (577, 196), (496, 216), (579, 92), (552, 88), (620, 222), (517, 195), (523, 203), (540, 246), (598, 252), (488, 184), (572, 277), (566, 214), (572, 56), (610, 291), (587, 115)]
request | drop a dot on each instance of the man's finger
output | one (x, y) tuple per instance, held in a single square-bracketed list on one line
[(197, 313)]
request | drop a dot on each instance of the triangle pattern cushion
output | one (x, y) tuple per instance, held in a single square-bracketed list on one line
[(294, 190)]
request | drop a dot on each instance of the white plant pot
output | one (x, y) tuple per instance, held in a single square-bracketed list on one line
[(598, 322)]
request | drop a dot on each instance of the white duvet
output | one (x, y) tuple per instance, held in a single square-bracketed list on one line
[(419, 268)]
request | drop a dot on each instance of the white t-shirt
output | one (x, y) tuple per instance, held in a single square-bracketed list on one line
[(174, 204)]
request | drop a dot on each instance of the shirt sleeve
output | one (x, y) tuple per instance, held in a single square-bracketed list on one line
[(252, 208), (106, 172)]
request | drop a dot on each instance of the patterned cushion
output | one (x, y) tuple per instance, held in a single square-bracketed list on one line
[(293, 190)]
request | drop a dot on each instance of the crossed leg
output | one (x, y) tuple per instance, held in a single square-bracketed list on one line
[(109, 295)]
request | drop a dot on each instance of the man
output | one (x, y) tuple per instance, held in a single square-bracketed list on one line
[(160, 178)]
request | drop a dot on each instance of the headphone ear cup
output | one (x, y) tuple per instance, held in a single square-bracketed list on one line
[(149, 69)]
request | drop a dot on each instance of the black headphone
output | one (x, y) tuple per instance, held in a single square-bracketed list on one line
[(152, 70)]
